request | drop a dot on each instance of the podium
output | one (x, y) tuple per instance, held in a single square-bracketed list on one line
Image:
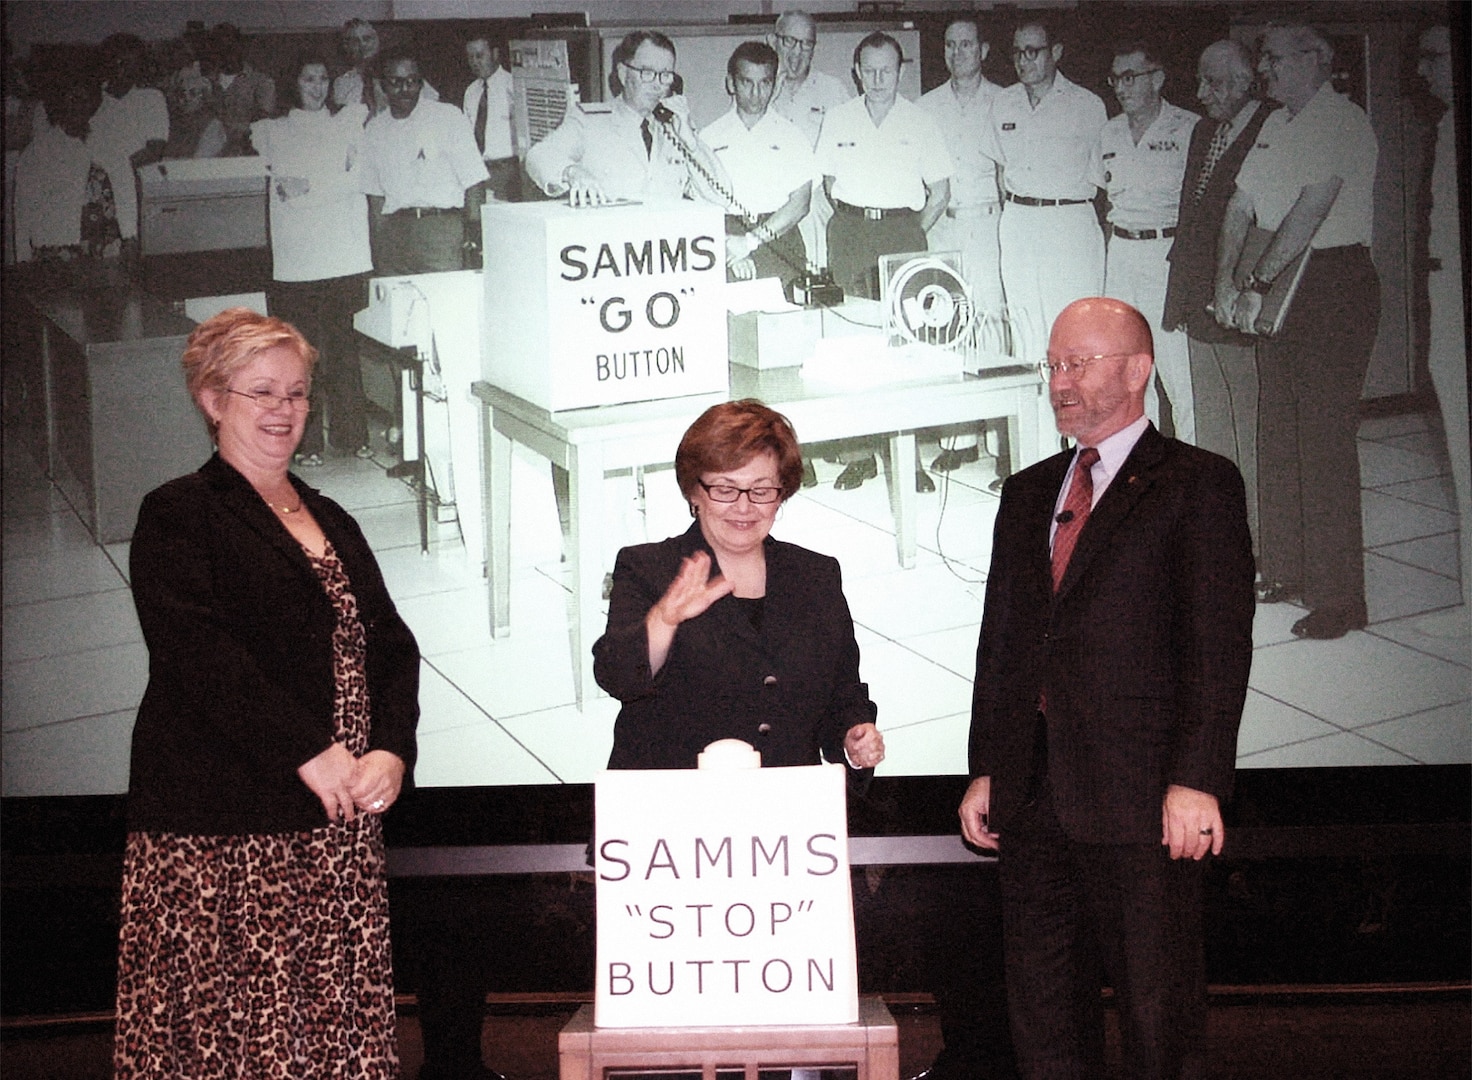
[(725, 927), (870, 1047)]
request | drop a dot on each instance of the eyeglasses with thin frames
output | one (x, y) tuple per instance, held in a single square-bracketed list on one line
[(729, 493), (1073, 365), (264, 399), (649, 75)]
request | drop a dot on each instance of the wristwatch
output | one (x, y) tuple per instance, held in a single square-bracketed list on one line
[(1255, 284)]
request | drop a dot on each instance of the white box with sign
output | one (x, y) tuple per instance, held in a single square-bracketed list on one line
[(724, 898), (601, 306)]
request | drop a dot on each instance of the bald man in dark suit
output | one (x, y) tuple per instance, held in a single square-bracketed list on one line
[(1111, 673)]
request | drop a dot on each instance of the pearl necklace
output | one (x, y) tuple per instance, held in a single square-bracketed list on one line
[(284, 509)]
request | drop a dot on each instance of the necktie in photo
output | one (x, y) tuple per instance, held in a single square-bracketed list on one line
[(648, 138), (1214, 154), (1075, 513), (482, 113)]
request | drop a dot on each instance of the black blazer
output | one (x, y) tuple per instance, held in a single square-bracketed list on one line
[(791, 690), (1192, 283), (240, 683), (1144, 652)]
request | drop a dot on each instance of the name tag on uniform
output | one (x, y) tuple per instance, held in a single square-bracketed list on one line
[(1009, 126), (1109, 155), (844, 145), (1169, 145)]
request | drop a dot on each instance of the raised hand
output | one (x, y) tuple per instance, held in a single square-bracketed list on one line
[(691, 592)]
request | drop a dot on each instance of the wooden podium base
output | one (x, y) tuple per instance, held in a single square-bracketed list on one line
[(870, 1046)]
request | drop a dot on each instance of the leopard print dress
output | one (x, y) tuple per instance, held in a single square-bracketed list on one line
[(263, 956)]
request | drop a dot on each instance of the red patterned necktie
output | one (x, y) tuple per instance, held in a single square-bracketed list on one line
[(1075, 512)]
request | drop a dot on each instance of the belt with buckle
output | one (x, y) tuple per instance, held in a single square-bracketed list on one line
[(872, 213), (424, 211), (1143, 234), (1028, 200), (968, 211)]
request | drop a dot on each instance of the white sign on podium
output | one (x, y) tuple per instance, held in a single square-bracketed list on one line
[(724, 898), (602, 306)]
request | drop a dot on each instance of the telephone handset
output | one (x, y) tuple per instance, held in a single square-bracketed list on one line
[(666, 116)]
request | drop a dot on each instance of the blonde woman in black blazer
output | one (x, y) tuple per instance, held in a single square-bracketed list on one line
[(724, 632), (278, 725)]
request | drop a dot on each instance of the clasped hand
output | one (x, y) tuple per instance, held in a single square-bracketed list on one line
[(864, 746), (346, 784)]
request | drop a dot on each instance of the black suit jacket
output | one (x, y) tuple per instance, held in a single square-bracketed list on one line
[(1192, 283), (240, 681), (1144, 651), (791, 690)]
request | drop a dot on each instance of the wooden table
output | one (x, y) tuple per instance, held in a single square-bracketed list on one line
[(870, 1046), (588, 443)]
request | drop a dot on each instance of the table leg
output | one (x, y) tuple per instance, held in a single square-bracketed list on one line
[(585, 514), (900, 476), (496, 510)]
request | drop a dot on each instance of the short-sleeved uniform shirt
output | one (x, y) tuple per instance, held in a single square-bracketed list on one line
[(974, 183), (1331, 136), (766, 162), (1047, 152), (1144, 179), (807, 103), (888, 165)]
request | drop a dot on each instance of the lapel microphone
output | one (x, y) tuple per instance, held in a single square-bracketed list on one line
[(1064, 518)]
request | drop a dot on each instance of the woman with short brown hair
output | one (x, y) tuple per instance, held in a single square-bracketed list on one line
[(724, 632)]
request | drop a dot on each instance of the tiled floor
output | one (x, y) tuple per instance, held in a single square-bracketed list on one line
[(502, 712)]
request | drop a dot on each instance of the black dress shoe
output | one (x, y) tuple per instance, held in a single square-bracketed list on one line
[(809, 475), (947, 460), (923, 483), (855, 473), (1275, 592), (1326, 624)]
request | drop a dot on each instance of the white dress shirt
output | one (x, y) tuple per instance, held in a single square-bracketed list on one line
[(888, 165), (427, 159), (498, 113), (1331, 136), (766, 162), (974, 183), (1046, 152), (1144, 179)]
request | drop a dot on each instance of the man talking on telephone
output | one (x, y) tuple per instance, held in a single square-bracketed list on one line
[(643, 148)]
